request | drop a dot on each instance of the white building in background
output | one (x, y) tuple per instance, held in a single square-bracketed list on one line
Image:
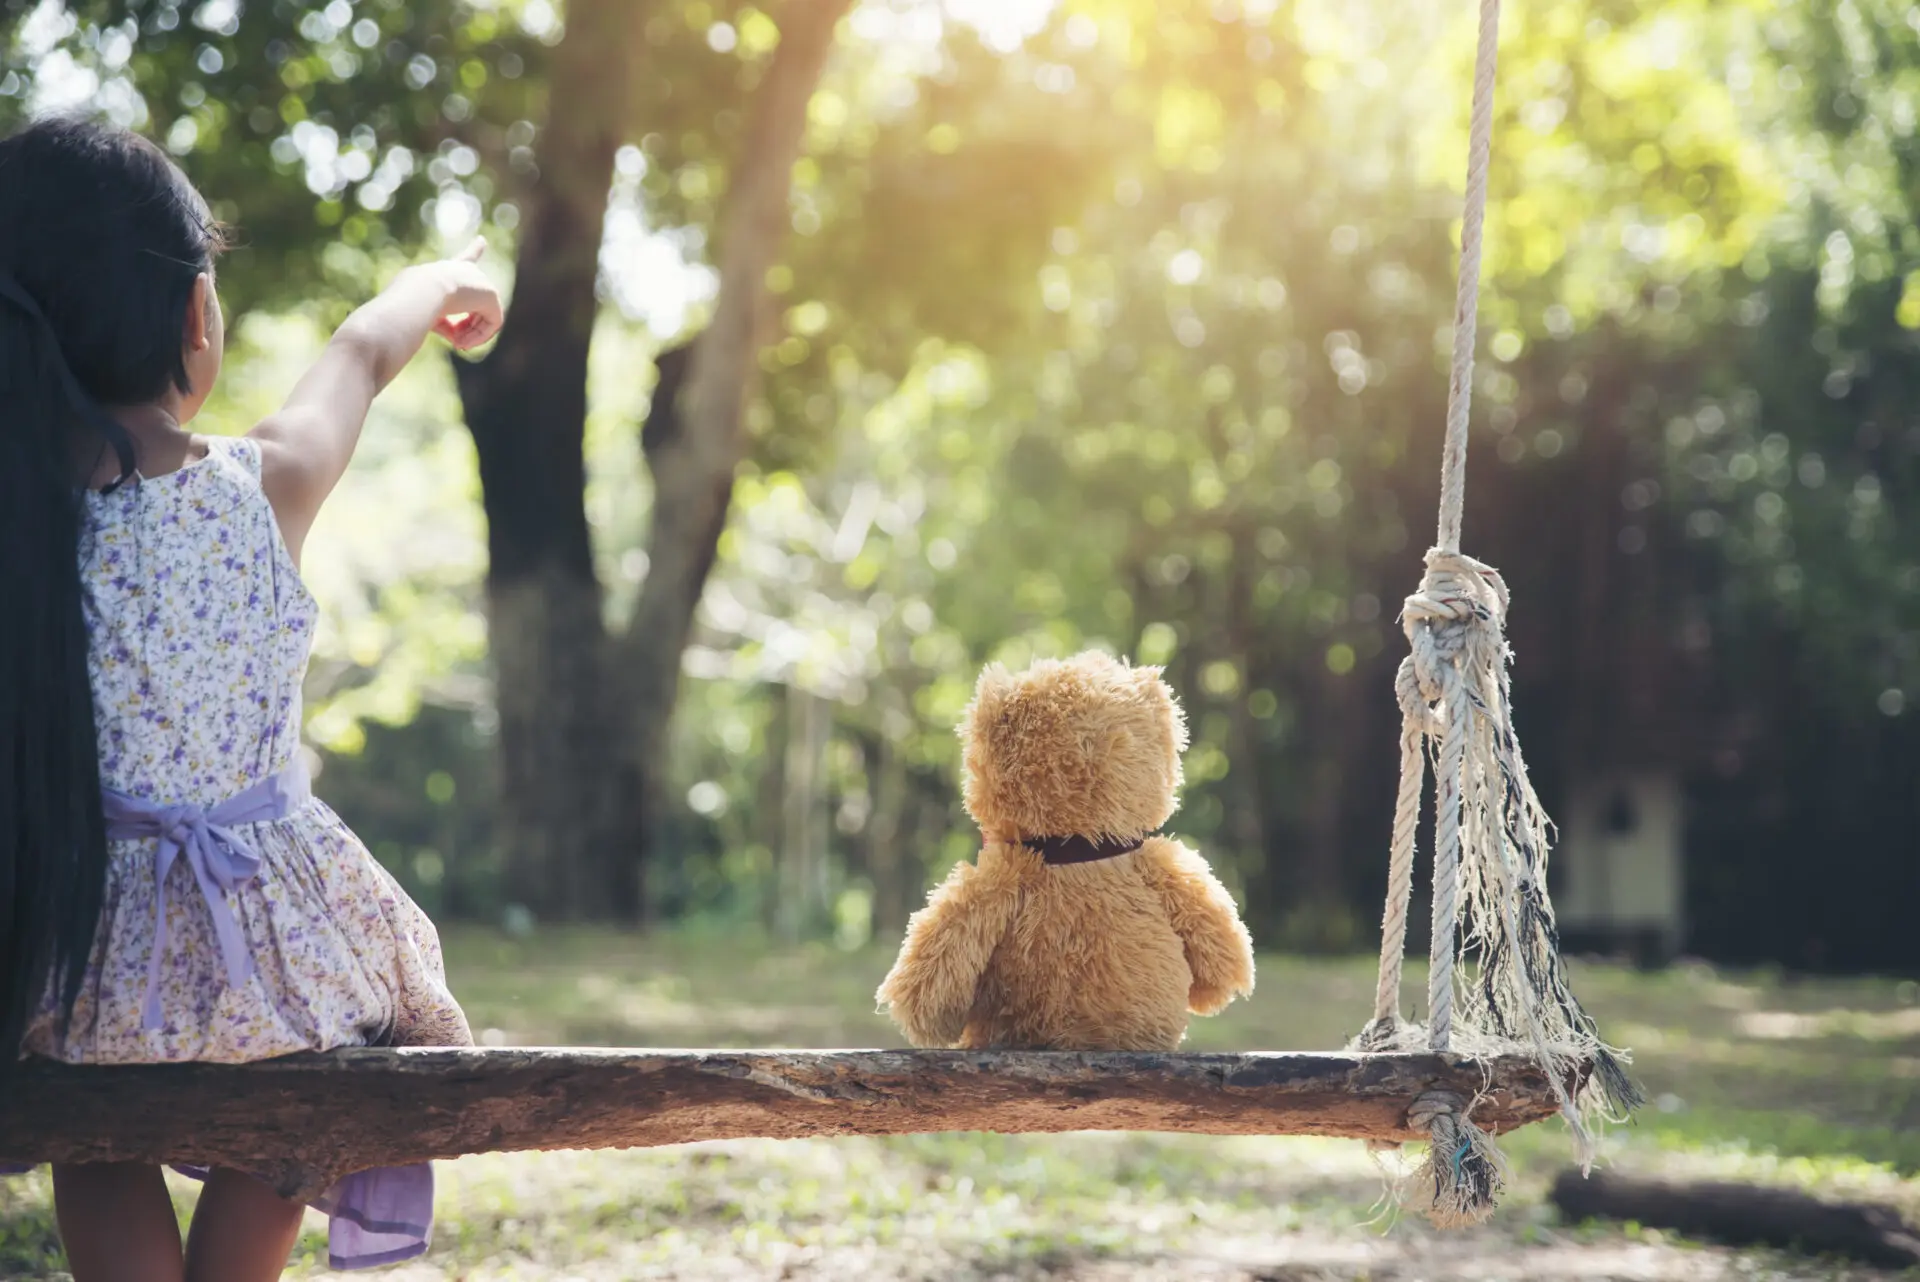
[(1619, 883)]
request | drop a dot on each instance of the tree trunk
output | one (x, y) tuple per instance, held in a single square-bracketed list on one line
[(1595, 627), (1321, 919), (1248, 823), (930, 819), (1744, 1215), (887, 832), (526, 405), (769, 796), (802, 851), (694, 446)]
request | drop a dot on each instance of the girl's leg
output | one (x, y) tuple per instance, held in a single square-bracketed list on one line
[(242, 1231), (117, 1223)]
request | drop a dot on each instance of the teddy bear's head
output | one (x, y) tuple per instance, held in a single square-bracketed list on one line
[(1086, 746)]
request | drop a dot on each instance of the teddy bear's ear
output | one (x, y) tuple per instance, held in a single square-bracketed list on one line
[(1151, 688), (989, 695), (994, 683), (994, 674), (1179, 716), (1159, 695)]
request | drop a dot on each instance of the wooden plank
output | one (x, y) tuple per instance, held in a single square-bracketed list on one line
[(304, 1121)]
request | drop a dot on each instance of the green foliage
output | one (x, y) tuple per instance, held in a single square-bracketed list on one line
[(331, 135), (1131, 336)]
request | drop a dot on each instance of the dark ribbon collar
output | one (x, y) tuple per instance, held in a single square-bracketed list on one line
[(1081, 850)]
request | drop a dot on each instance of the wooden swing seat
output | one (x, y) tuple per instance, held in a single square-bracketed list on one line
[(304, 1121)]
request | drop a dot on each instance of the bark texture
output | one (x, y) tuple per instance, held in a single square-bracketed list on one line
[(526, 405), (584, 716), (306, 1120), (696, 437)]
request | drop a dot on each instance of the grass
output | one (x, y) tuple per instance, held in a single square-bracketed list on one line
[(1809, 1083)]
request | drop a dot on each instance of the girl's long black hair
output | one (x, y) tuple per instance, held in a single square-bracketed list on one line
[(101, 238)]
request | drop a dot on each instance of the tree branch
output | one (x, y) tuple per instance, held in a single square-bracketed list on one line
[(693, 464), (695, 437)]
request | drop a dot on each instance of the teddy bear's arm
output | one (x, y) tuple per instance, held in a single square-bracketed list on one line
[(930, 989), (1202, 913)]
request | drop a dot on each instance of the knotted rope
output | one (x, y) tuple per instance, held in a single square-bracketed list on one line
[(1454, 626), (1464, 1170), (1490, 832)]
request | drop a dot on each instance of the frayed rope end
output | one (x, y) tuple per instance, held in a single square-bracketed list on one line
[(1622, 1094), (1464, 1172)]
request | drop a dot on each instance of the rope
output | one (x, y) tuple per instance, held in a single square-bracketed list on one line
[(1421, 682), (1448, 576), (1406, 818), (1466, 301), (1454, 627), (1490, 832), (1464, 1173)]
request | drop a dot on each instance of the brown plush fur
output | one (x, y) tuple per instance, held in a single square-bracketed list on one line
[(1108, 955)]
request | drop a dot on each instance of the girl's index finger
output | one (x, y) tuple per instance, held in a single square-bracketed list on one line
[(473, 252)]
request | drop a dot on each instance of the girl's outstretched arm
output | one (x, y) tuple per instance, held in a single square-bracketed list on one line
[(306, 444)]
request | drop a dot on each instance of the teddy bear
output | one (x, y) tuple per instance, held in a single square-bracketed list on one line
[(1080, 926)]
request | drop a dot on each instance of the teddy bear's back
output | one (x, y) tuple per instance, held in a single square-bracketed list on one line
[(1091, 963)]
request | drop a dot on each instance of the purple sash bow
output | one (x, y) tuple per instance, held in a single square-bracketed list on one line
[(220, 860)]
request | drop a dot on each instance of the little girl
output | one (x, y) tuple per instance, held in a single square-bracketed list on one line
[(169, 888)]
